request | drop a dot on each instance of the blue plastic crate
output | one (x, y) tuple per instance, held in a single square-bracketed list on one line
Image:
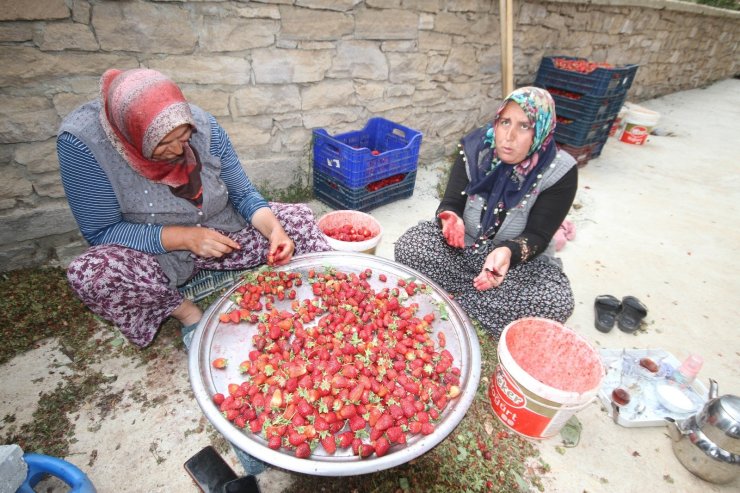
[(207, 282), (588, 108), (580, 133), (349, 158), (601, 82), (333, 193)]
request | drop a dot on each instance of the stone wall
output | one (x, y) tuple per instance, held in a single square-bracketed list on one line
[(273, 70)]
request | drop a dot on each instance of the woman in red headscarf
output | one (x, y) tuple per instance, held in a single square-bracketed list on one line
[(159, 194)]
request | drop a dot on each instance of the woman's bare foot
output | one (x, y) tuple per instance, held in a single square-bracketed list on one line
[(187, 313)]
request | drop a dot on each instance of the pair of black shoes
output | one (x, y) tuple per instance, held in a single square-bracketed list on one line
[(628, 314)]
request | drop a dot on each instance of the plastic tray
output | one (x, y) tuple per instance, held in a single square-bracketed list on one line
[(332, 192), (213, 339), (348, 158), (641, 388), (600, 83)]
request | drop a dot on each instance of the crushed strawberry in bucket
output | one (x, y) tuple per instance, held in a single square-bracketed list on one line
[(546, 373)]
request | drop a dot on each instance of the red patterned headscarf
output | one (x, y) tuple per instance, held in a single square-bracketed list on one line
[(139, 108)]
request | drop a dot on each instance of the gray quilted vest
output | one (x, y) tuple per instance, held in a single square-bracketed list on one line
[(145, 202)]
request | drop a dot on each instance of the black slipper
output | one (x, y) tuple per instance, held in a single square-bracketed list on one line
[(631, 315), (606, 307)]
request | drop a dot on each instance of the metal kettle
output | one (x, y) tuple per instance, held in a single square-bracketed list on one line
[(708, 443)]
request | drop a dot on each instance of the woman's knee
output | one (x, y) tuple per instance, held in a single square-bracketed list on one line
[(416, 245)]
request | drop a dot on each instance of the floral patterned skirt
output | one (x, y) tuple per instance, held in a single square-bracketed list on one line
[(129, 288), (536, 288)]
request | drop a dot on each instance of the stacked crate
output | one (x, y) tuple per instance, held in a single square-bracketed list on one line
[(586, 103), (365, 169)]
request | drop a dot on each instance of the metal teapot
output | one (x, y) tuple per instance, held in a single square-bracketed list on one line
[(708, 443)]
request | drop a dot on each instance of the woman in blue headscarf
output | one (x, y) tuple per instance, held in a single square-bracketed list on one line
[(509, 190)]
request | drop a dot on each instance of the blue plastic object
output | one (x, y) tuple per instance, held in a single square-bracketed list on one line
[(355, 159), (40, 465), (330, 191), (580, 133), (601, 82)]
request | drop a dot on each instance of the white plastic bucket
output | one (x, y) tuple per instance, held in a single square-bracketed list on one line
[(638, 123), (546, 373), (358, 220)]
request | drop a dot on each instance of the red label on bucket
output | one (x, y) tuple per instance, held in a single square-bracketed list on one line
[(635, 134), (509, 403)]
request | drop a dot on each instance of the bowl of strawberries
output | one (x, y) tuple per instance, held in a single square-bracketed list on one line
[(336, 364), (351, 231)]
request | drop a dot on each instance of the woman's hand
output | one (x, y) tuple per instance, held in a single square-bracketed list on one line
[(453, 229), (203, 242), (494, 269), (281, 248)]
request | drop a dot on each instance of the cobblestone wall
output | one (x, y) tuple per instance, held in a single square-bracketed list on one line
[(273, 70)]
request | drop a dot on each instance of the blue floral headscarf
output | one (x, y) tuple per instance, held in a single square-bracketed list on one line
[(505, 184)]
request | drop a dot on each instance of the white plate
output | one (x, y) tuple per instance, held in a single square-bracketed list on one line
[(674, 398)]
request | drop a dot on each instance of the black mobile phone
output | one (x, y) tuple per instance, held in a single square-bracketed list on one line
[(209, 470), (244, 484)]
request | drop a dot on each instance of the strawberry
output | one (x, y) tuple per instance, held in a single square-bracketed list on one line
[(231, 414), (304, 408), (427, 428), (234, 316), (345, 439), (409, 410), (395, 434), (220, 363), (329, 444), (356, 422), (255, 426), (381, 446), (366, 450), (384, 422), (321, 424), (277, 399), (233, 389), (303, 451), (218, 398), (414, 427), (275, 442), (396, 411), (375, 434), (295, 438)]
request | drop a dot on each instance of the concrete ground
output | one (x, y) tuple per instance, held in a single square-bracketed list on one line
[(656, 221)]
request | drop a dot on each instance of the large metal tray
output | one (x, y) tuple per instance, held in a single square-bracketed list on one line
[(213, 339)]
